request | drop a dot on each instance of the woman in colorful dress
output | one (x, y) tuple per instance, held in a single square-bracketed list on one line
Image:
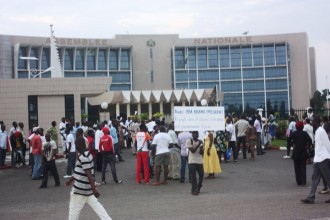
[(211, 161), (220, 145)]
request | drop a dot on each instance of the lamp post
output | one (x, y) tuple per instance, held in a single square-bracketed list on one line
[(46, 70)]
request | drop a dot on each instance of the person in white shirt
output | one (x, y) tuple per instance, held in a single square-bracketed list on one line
[(182, 139), (321, 160), (291, 128), (232, 142), (160, 149), (62, 127), (71, 152), (98, 135), (257, 125)]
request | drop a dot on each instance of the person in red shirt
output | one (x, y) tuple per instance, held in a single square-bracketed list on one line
[(36, 144), (108, 156), (142, 145)]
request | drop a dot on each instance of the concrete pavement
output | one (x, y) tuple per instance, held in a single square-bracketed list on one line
[(260, 189)]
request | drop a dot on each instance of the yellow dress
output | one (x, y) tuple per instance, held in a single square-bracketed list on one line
[(211, 163)]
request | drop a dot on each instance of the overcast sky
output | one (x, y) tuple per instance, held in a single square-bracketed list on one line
[(188, 18)]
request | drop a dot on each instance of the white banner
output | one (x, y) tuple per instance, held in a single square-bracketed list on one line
[(201, 118)]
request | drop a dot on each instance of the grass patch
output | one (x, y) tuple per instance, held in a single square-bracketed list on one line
[(279, 142)]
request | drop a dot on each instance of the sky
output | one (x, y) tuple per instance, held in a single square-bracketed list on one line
[(188, 18)]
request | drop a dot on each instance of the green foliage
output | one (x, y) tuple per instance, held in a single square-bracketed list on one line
[(281, 127), (143, 116), (158, 115), (84, 116), (318, 99)]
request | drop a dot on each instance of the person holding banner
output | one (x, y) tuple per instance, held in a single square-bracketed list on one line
[(211, 161)]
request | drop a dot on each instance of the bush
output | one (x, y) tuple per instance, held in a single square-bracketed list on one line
[(281, 127)]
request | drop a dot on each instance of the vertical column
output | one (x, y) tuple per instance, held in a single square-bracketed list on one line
[(172, 110), (128, 109), (195, 103), (161, 109), (117, 109), (150, 109), (139, 108), (183, 103), (77, 109)]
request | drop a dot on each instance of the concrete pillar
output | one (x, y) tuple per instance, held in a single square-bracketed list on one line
[(77, 107), (128, 109), (195, 103), (139, 108), (183, 103), (150, 109), (117, 109), (172, 111), (161, 109)]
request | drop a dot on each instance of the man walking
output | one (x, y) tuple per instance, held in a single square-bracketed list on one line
[(321, 160)]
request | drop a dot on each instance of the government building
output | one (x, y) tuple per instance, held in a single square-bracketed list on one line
[(45, 78)]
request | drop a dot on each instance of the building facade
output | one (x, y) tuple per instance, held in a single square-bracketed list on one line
[(273, 72)]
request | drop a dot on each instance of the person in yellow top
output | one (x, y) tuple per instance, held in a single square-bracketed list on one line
[(211, 161)]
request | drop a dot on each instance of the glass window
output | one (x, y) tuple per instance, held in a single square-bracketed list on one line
[(246, 56), (275, 72), (68, 59), (102, 59), (22, 64), (183, 76), (207, 85), (45, 58), (233, 102), (191, 63), (34, 53), (80, 57), (257, 55), (254, 100), (230, 74), (208, 75), (213, 57), (253, 85), (192, 85), (22, 75), (231, 86), (120, 77), (96, 74), (69, 106), (280, 50), (269, 52), (113, 65), (279, 102), (202, 57), (224, 57), (275, 84), (250, 73), (47, 74), (119, 87), (73, 74), (124, 60), (179, 58), (235, 56), (91, 59)]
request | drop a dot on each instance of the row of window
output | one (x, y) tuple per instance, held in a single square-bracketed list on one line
[(77, 58), (231, 56)]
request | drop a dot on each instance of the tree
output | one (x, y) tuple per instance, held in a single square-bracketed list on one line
[(318, 100)]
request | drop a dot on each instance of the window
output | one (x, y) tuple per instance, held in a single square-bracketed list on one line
[(33, 110), (224, 57), (202, 57), (183, 76), (275, 72), (252, 73), (192, 85), (191, 63), (68, 59), (213, 57), (253, 85), (230, 74), (246, 56), (102, 59), (120, 77), (124, 59), (96, 74), (45, 58), (235, 56), (207, 85), (80, 57), (22, 64), (73, 74), (91, 59), (34, 63), (280, 50), (113, 65), (231, 86), (69, 106), (208, 75), (276, 84), (120, 87), (269, 52), (257, 55), (254, 100)]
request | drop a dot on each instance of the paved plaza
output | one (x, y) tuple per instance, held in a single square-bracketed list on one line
[(260, 189)]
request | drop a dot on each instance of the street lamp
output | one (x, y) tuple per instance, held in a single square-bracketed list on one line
[(46, 70)]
